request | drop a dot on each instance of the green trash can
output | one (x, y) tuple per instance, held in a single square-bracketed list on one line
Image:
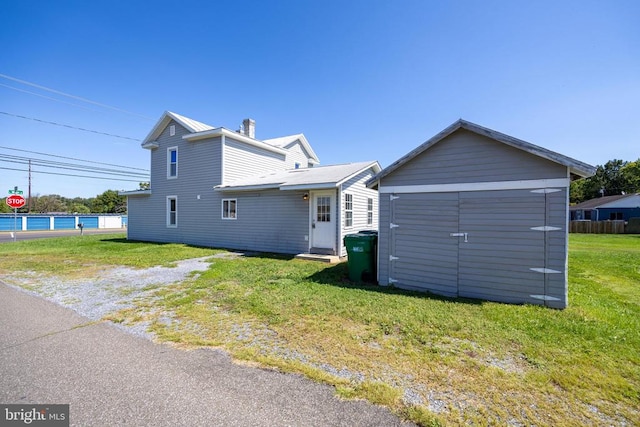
[(361, 251)]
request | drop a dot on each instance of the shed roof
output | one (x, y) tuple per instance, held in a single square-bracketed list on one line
[(301, 179), (576, 167)]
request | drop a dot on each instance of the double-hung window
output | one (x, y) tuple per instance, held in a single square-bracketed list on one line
[(229, 208), (348, 210), (369, 211), (172, 211), (172, 162)]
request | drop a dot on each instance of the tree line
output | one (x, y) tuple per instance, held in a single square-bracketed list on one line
[(107, 202), (612, 178)]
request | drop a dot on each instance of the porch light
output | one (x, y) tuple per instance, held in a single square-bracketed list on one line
[(305, 196)]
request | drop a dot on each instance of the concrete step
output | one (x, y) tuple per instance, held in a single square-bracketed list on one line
[(331, 259)]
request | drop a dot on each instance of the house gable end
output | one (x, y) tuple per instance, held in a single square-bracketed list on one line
[(289, 142), (168, 118)]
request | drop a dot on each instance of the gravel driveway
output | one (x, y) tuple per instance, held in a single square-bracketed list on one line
[(112, 290)]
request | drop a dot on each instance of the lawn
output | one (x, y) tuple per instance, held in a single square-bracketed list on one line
[(434, 360)]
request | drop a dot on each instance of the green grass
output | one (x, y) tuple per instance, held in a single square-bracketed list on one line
[(471, 362), (82, 255)]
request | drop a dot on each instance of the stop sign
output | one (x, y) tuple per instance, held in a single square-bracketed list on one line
[(16, 201)]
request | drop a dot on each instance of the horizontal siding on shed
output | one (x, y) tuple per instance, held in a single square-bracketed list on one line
[(384, 219), (426, 253), (501, 240), (468, 157)]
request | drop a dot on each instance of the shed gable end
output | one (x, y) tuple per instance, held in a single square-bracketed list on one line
[(465, 156)]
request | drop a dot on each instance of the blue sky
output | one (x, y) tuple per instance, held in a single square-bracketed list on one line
[(363, 80)]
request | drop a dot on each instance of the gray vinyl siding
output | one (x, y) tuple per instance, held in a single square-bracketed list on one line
[(427, 256), (556, 247), (384, 231), (143, 224), (295, 155), (357, 188), (268, 221), (465, 156), (495, 264), (242, 160), (496, 261), (502, 248), (199, 170)]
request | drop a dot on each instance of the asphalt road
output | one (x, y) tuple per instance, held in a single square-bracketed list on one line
[(49, 354), (6, 236)]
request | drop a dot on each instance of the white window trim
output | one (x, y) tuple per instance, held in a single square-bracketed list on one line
[(370, 211), (169, 150), (172, 130), (476, 186), (228, 218), (348, 210), (169, 198)]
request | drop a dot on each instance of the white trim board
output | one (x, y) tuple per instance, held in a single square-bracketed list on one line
[(476, 186)]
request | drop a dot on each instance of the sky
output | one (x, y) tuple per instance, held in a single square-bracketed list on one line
[(363, 80)]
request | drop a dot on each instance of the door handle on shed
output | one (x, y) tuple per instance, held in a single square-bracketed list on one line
[(465, 235)]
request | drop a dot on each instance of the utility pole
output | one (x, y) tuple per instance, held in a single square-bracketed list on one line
[(29, 192)]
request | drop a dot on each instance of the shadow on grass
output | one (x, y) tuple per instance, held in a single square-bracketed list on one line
[(125, 240), (338, 275), (247, 254)]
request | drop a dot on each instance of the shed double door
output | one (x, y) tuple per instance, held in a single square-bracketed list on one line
[(479, 244)]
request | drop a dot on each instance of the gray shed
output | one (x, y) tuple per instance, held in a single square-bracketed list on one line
[(476, 213)]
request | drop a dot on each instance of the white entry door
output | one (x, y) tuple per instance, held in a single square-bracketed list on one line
[(323, 220)]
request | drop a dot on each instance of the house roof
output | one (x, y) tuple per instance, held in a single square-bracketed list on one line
[(201, 130), (616, 201), (134, 193), (301, 179), (189, 124), (288, 141), (576, 167)]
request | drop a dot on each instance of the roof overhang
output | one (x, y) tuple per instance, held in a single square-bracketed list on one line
[(135, 193), (280, 183), (289, 141), (213, 133), (281, 187), (313, 158), (189, 124), (374, 165), (150, 145), (576, 168)]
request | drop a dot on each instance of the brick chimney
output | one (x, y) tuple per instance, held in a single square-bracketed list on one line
[(249, 126)]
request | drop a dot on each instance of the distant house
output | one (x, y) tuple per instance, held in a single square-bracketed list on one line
[(476, 213), (216, 187), (608, 208)]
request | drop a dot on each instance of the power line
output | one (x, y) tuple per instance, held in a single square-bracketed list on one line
[(74, 96), (67, 174), (48, 97), (69, 166), (67, 126), (72, 158)]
